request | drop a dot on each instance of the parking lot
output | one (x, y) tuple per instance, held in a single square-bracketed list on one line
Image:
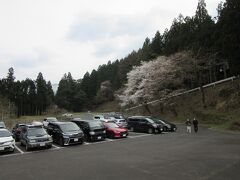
[(206, 155)]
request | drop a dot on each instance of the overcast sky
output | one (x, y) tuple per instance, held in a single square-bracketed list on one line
[(59, 36)]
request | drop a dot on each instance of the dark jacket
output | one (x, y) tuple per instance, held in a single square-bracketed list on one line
[(188, 123), (195, 122)]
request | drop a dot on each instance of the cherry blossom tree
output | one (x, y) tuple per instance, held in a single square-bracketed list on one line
[(162, 77)]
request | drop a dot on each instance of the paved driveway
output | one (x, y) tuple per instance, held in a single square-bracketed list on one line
[(206, 155)]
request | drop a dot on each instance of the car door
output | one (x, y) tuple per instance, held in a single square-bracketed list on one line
[(23, 136), (143, 124), (56, 133)]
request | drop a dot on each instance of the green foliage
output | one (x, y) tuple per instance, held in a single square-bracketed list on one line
[(70, 94)]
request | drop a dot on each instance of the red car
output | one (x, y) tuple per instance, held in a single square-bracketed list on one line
[(114, 131)]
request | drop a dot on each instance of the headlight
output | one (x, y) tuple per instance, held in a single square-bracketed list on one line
[(65, 137), (50, 138), (32, 140), (104, 131), (91, 132)]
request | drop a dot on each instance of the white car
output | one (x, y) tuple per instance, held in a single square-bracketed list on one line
[(47, 120), (7, 143), (121, 122), (104, 118)]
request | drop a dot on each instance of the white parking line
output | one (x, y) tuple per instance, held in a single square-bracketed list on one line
[(143, 135), (56, 146), (19, 150)]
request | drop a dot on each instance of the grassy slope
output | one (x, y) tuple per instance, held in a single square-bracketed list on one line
[(221, 112)]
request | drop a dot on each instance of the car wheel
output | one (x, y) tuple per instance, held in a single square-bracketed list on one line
[(27, 147), (150, 131), (165, 129), (132, 129)]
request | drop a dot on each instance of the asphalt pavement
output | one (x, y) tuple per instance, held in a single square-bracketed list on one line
[(207, 155)]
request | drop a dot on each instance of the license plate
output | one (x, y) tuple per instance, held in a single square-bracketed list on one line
[(76, 139), (99, 137), (124, 135), (42, 144), (1, 148)]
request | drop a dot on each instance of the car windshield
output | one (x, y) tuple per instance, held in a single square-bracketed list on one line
[(5, 133), (95, 124), (112, 125), (52, 120), (36, 132), (150, 120), (69, 127)]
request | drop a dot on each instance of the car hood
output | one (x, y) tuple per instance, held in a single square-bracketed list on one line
[(70, 133), (5, 139), (118, 129)]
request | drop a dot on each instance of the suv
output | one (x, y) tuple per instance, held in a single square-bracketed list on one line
[(144, 124), (7, 142), (93, 129), (65, 133), (33, 136), (17, 129)]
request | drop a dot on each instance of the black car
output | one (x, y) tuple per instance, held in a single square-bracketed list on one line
[(16, 131), (35, 136), (167, 126), (93, 130), (65, 133), (144, 124)]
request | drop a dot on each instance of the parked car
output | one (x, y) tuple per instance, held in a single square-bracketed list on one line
[(168, 126), (144, 124), (93, 130), (7, 143), (114, 131), (104, 118), (35, 136), (16, 131), (47, 120), (65, 133), (118, 119), (2, 124)]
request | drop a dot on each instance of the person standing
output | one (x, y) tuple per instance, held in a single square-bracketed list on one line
[(188, 124), (195, 125)]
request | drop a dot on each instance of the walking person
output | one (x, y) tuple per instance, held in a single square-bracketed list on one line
[(195, 125), (189, 124)]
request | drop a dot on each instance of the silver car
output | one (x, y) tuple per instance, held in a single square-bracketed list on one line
[(7, 143)]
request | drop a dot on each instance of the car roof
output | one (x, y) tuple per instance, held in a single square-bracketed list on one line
[(86, 120), (138, 117), (60, 122)]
